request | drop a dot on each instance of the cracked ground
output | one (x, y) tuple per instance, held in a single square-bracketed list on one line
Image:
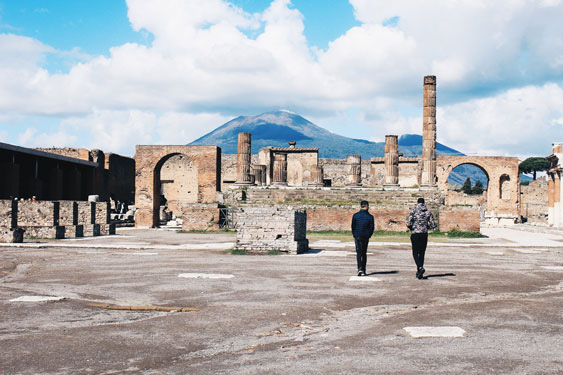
[(280, 314)]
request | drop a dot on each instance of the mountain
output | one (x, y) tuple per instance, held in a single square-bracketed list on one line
[(276, 128)]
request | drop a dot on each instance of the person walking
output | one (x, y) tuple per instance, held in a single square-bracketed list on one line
[(362, 230), (420, 220)]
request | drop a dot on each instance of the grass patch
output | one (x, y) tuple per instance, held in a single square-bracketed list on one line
[(274, 252), (206, 231), (454, 233), (238, 252)]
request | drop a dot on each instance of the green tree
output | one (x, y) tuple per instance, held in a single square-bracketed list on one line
[(466, 188), (534, 165), (477, 188)]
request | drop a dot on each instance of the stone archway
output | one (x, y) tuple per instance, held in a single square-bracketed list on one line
[(458, 197), (205, 164), (176, 180), (494, 167)]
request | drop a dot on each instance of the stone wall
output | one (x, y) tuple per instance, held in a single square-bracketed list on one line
[(201, 216), (120, 177), (459, 198), (262, 228), (534, 201), (149, 161), (339, 218), (336, 170), (467, 219), (71, 152), (43, 214), (335, 196), (47, 219)]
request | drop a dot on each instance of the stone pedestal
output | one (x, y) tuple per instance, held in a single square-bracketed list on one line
[(391, 161), (243, 159), (354, 177), (428, 176), (280, 170)]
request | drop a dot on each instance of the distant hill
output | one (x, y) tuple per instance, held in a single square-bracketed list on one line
[(276, 128)]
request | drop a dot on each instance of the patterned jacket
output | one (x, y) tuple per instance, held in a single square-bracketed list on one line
[(420, 219)]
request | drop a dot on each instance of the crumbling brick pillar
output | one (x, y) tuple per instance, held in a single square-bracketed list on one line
[(280, 169), (391, 160), (243, 159), (354, 177), (316, 177), (428, 177)]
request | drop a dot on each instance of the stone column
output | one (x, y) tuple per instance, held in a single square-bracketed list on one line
[(391, 161), (243, 159), (280, 169), (354, 177), (429, 132), (316, 177)]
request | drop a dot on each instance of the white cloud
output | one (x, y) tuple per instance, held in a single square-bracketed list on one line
[(32, 138), (202, 69)]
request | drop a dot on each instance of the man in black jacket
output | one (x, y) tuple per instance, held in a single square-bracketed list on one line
[(362, 230)]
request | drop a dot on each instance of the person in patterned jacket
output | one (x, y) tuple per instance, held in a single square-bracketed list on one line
[(420, 220)]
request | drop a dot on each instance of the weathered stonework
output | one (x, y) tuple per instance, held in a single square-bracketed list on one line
[(354, 163), (149, 161), (503, 191), (555, 193), (201, 216), (280, 169), (534, 207), (243, 159), (261, 228), (391, 161), (429, 132)]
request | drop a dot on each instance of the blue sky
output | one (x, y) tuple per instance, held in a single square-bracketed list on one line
[(112, 74)]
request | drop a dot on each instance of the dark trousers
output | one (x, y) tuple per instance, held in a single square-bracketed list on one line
[(361, 252), (419, 242)]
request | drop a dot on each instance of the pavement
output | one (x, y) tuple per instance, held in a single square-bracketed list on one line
[(160, 302)]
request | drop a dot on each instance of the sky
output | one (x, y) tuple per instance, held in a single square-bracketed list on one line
[(111, 74)]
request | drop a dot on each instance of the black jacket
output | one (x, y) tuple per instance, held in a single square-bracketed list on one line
[(362, 224)]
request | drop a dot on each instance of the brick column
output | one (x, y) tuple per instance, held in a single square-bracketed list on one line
[(317, 177), (243, 159), (280, 169), (429, 132), (354, 177), (391, 160)]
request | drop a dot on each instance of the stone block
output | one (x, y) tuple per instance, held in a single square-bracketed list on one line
[(44, 232), (91, 230), (11, 235)]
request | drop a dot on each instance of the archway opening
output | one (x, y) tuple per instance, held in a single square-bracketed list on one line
[(504, 187), (468, 178), (175, 186)]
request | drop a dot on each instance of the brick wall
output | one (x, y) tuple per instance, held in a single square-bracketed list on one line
[(262, 228), (200, 217), (534, 201), (466, 219)]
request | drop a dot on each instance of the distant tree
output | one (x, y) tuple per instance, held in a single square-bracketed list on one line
[(533, 165), (477, 188), (466, 188)]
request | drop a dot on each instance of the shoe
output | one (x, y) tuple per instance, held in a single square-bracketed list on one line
[(420, 273), (359, 273), (364, 273)]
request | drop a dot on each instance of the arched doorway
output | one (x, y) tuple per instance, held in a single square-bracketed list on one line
[(175, 185), (467, 185)]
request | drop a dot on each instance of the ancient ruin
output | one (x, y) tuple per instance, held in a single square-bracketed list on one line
[(555, 193)]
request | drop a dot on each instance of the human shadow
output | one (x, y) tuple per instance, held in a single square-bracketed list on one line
[(439, 275), (382, 273)]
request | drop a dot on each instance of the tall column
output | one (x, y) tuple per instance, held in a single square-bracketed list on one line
[(354, 177), (280, 169), (429, 132), (243, 159), (391, 160), (316, 177)]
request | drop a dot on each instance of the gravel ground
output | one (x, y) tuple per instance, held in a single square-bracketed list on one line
[(281, 314)]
